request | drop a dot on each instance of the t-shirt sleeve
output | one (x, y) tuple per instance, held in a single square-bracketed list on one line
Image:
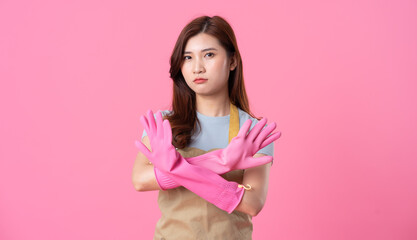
[(165, 112)]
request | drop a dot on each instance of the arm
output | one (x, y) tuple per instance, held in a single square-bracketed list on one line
[(253, 200), (203, 182), (239, 154), (143, 176)]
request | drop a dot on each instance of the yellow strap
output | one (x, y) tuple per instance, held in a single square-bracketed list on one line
[(233, 131), (234, 122)]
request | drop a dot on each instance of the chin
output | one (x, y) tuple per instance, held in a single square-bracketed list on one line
[(203, 93)]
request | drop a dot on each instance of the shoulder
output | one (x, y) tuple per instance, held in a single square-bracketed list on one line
[(164, 112), (243, 116)]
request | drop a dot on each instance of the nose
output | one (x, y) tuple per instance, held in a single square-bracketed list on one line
[(198, 66)]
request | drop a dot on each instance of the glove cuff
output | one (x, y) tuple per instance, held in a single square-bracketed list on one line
[(230, 197), (163, 180)]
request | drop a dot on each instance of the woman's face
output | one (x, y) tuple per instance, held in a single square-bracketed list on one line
[(205, 58)]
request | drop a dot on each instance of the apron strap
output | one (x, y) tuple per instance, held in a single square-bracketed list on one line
[(233, 131), (234, 122)]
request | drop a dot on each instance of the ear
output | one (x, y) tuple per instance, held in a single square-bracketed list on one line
[(233, 62)]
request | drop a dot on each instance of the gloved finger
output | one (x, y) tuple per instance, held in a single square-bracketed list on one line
[(145, 124), (245, 128), (264, 133), (167, 132), (270, 139), (151, 122), (258, 161), (150, 132), (143, 149), (159, 127), (256, 129)]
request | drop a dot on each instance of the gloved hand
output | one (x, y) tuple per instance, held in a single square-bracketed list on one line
[(237, 155), (203, 182)]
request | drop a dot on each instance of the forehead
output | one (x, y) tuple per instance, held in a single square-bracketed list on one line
[(202, 41)]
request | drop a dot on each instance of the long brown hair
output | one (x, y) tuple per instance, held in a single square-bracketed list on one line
[(183, 118)]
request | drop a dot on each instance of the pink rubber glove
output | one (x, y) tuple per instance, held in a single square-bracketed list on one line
[(203, 182), (237, 155)]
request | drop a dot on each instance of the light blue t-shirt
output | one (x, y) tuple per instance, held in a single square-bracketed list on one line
[(215, 132)]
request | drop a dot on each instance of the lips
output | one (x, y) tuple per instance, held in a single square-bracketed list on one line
[(200, 80)]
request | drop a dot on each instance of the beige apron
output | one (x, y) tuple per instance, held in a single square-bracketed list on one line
[(186, 215)]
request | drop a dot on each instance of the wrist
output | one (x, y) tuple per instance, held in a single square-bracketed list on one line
[(230, 197), (163, 179)]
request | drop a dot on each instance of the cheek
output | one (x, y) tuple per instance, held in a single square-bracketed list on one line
[(221, 69), (223, 65), (183, 69), (185, 72)]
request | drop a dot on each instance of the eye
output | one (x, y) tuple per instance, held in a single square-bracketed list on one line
[(185, 57), (212, 54)]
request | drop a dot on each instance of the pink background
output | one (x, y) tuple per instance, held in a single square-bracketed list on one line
[(338, 77)]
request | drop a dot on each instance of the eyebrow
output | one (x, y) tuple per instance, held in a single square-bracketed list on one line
[(204, 50)]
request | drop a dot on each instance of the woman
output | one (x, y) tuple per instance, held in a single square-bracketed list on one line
[(209, 107)]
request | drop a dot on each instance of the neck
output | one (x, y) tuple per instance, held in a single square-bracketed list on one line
[(213, 106)]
